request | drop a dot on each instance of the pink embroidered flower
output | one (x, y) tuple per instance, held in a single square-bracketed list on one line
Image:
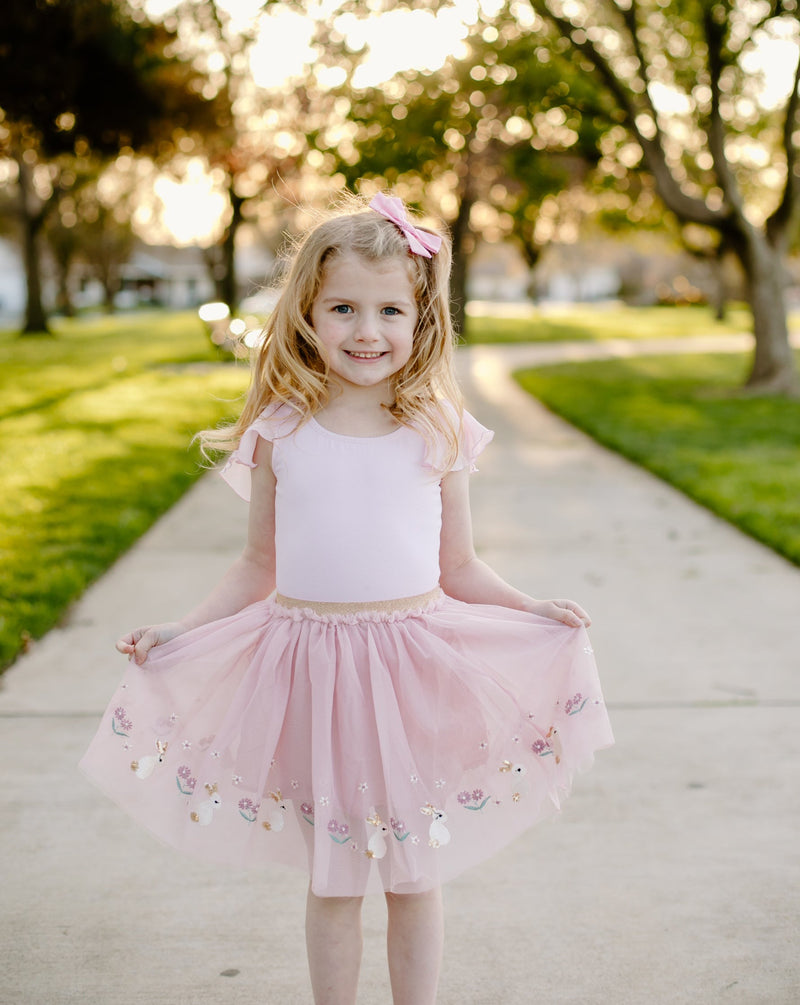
[(307, 808), (120, 723), (539, 747), (340, 833), (474, 800), (397, 825), (249, 809), (186, 782)]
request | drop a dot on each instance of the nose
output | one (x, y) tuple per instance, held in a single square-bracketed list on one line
[(367, 332), (367, 328)]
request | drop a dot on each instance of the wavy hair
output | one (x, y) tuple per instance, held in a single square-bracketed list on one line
[(290, 367)]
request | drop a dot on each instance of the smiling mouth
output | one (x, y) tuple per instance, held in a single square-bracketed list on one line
[(364, 355)]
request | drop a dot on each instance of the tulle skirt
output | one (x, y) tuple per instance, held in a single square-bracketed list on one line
[(386, 746)]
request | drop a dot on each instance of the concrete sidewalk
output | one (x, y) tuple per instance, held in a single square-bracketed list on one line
[(671, 877)]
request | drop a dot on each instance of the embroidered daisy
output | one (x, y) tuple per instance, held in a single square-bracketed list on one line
[(414, 779), (323, 800), (363, 787), (237, 779), (440, 783), (187, 745)]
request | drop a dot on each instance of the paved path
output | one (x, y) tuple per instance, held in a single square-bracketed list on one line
[(671, 877)]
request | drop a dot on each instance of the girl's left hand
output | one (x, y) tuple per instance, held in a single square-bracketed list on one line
[(566, 611)]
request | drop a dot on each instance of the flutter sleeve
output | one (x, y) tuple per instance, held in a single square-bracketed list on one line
[(272, 424), (472, 441), (472, 438)]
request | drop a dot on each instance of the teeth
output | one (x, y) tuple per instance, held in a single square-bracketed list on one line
[(365, 355)]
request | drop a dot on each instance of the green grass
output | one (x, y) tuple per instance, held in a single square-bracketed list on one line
[(592, 322), (685, 419), (96, 426)]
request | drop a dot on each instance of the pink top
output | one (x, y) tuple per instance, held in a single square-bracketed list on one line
[(356, 518)]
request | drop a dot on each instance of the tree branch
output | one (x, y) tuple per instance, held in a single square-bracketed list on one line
[(715, 36), (782, 218), (685, 207)]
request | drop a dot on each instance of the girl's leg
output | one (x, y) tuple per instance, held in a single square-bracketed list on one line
[(333, 943), (415, 938)]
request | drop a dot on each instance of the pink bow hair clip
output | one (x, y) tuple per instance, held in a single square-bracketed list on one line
[(419, 241)]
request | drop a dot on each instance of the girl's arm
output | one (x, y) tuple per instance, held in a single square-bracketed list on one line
[(465, 577), (250, 578)]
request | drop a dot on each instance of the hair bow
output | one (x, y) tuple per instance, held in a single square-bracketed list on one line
[(420, 242)]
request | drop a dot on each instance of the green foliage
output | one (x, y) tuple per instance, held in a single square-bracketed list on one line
[(682, 418), (94, 72), (589, 324), (96, 428)]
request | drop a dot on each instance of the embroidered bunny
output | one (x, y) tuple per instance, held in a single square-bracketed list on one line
[(276, 820), (376, 846), (205, 811), (144, 767), (555, 743), (517, 772), (438, 834)]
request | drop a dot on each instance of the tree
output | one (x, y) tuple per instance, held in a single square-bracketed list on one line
[(722, 157), (259, 146), (460, 141), (81, 77)]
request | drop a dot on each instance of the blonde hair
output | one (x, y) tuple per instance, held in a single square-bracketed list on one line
[(289, 366)]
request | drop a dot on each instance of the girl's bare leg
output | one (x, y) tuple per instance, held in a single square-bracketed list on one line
[(414, 939), (334, 944)]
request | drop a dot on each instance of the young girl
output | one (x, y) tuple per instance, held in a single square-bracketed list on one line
[(360, 694)]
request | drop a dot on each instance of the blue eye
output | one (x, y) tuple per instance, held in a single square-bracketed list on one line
[(342, 309), (391, 311)]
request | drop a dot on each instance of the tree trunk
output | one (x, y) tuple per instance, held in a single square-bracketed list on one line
[(228, 286), (773, 369), (458, 277), (64, 304), (32, 223)]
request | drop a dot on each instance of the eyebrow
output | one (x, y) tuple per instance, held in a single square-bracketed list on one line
[(348, 300)]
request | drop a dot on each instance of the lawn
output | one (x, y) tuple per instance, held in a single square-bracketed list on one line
[(591, 322), (96, 425), (685, 419)]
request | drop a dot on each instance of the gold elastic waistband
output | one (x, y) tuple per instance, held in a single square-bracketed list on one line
[(398, 606)]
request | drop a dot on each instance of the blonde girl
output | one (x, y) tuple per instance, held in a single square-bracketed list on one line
[(360, 695)]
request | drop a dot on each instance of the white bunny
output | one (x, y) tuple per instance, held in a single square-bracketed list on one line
[(144, 767), (376, 846), (438, 834), (518, 770), (205, 811), (276, 819), (555, 743)]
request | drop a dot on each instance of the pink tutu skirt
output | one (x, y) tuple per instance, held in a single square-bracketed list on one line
[(383, 747)]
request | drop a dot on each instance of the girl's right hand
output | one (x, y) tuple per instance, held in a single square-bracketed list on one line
[(138, 643)]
